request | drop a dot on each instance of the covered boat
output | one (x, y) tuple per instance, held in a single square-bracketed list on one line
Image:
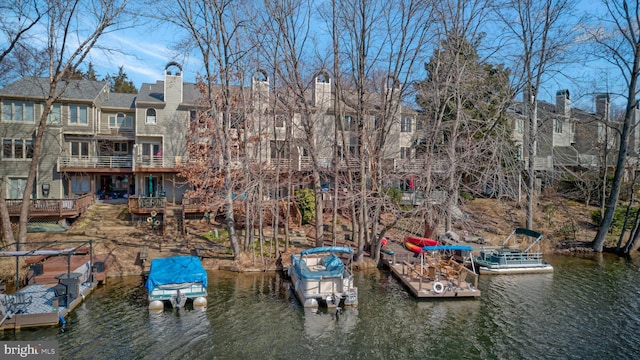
[(510, 258), (321, 276), (175, 280)]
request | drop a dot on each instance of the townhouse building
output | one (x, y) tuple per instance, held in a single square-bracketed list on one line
[(122, 145), (96, 141), (572, 138)]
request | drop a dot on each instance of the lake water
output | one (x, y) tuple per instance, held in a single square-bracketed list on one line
[(589, 308)]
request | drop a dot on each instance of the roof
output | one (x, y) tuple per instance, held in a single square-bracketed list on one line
[(33, 87), (154, 93), (120, 100)]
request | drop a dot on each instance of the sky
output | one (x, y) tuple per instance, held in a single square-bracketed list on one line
[(143, 52), (143, 56)]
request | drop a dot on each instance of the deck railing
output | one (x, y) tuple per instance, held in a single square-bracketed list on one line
[(146, 204), (52, 207), (95, 162)]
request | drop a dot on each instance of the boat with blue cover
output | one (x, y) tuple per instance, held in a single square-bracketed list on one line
[(510, 258), (323, 276), (176, 280)]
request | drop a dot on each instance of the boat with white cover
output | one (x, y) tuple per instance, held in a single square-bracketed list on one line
[(323, 276)]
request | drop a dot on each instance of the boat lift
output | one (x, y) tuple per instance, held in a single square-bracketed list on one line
[(46, 249)]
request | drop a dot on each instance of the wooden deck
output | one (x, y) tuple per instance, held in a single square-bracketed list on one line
[(39, 304), (434, 280), (52, 208)]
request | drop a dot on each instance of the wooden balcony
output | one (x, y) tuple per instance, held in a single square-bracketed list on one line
[(52, 208)]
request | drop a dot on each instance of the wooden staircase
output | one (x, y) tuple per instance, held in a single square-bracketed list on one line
[(173, 224)]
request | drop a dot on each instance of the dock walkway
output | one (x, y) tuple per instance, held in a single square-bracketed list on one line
[(431, 278), (50, 296)]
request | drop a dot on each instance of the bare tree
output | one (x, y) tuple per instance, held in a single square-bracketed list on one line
[(215, 29), (67, 44), (465, 141), (540, 34), (617, 38)]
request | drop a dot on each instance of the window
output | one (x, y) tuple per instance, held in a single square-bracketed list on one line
[(17, 149), (120, 121), (149, 150), (353, 146), (279, 149), (407, 185), (54, 114), (419, 124), (80, 184), (120, 147), (78, 114), (79, 149), (558, 128), (280, 121), (377, 122), (405, 124), (405, 153), (18, 111), (16, 187), (348, 123), (151, 116), (519, 126)]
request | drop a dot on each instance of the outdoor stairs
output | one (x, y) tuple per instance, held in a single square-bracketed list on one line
[(173, 223)]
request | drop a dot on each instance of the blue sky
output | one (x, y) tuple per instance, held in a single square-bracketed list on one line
[(144, 52), (142, 55)]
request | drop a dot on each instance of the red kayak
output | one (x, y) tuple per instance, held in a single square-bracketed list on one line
[(413, 247), (420, 241)]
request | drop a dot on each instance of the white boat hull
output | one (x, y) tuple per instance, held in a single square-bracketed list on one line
[(320, 278), (516, 270), (177, 295)]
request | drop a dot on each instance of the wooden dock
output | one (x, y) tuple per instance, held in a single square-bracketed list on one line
[(441, 279), (50, 296)]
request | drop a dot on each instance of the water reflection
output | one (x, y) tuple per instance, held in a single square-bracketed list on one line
[(325, 324), (587, 309)]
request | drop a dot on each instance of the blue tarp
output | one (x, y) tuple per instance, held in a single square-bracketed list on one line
[(176, 270), (335, 249), (447, 247), (333, 266)]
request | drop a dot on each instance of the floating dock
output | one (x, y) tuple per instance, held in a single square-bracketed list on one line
[(433, 278), (58, 281)]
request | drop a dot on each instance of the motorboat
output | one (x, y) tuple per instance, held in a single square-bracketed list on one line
[(176, 280), (323, 276), (511, 258)]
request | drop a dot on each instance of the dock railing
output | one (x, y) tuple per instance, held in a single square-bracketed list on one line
[(429, 271)]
